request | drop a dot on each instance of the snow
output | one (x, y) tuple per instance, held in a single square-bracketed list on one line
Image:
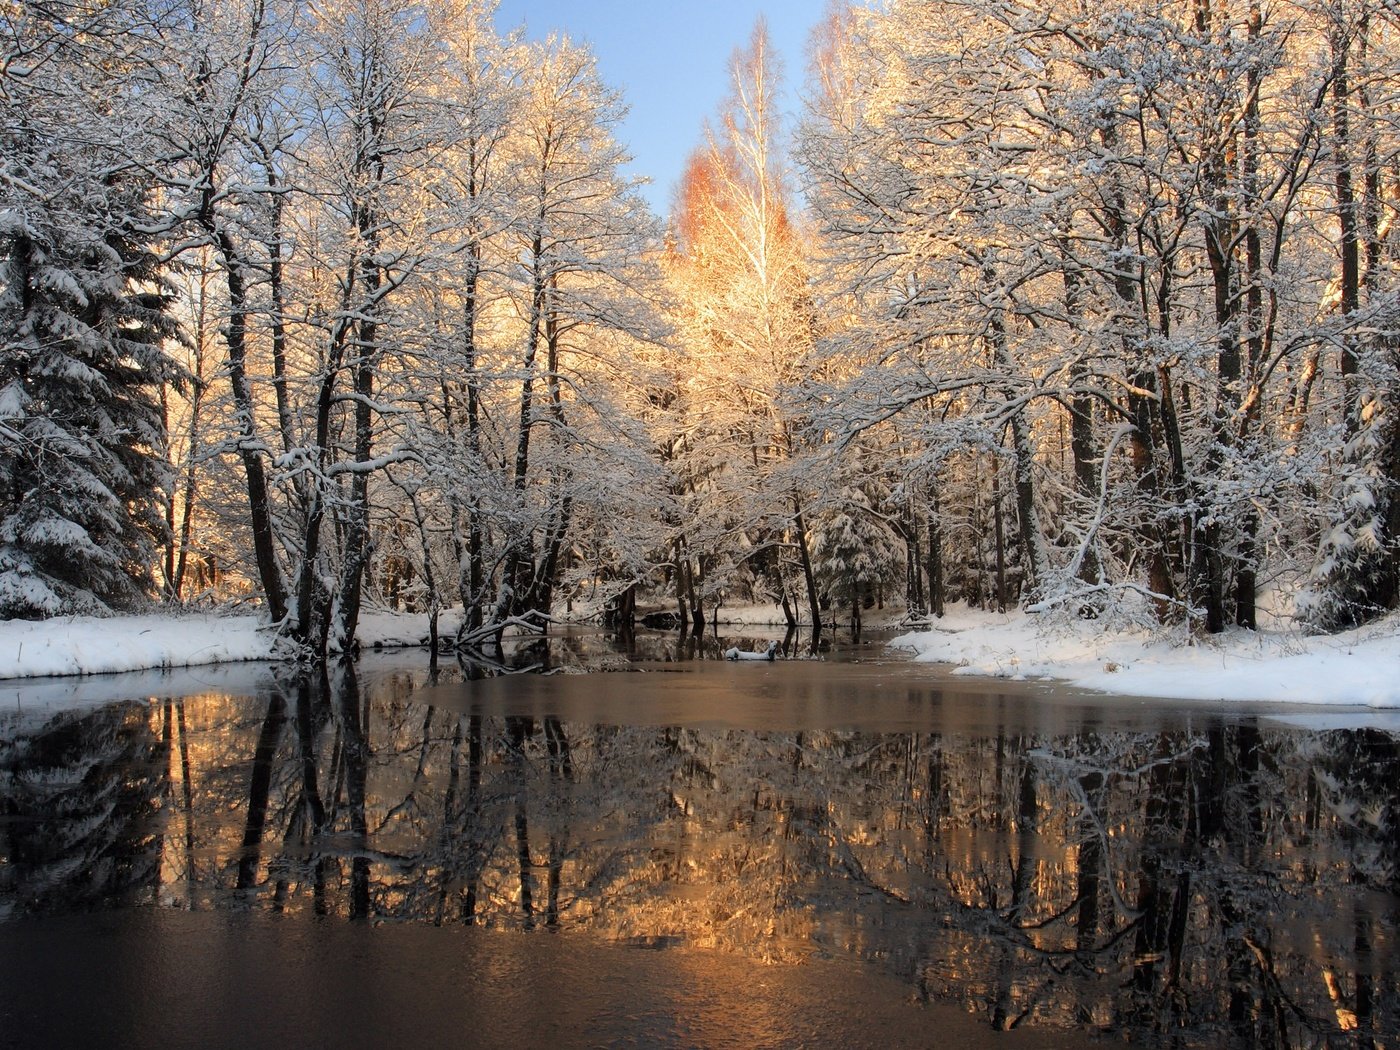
[(13, 402), (769, 654), (1358, 668), (87, 645), (82, 645), (382, 628)]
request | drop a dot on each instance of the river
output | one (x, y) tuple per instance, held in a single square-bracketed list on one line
[(672, 851)]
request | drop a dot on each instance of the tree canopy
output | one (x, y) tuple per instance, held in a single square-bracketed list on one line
[(1089, 308)]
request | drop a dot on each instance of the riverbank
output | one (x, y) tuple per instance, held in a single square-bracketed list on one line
[(87, 645), (1356, 668)]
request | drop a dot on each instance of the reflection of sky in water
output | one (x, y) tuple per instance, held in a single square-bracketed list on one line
[(1040, 859)]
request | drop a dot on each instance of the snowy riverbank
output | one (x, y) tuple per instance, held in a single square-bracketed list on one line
[(1358, 668), (86, 645)]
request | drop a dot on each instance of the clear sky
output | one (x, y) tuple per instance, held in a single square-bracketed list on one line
[(670, 59)]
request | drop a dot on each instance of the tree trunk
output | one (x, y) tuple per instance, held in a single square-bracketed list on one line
[(1208, 584), (1034, 558), (683, 584), (621, 612), (1081, 415), (695, 574), (313, 599), (1348, 226), (1033, 553), (808, 575), (1000, 537), (249, 448), (277, 292), (541, 596), (914, 597), (429, 579), (561, 507), (520, 563), (1141, 400), (180, 532), (937, 590), (476, 566), (357, 540)]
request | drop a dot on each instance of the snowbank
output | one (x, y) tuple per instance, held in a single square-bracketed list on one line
[(1358, 668), (380, 628), (84, 645), (92, 645)]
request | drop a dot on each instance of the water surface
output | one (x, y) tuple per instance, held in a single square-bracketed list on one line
[(854, 851)]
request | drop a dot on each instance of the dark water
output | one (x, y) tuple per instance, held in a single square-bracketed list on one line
[(848, 852)]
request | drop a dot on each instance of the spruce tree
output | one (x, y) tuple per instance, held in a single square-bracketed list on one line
[(83, 323)]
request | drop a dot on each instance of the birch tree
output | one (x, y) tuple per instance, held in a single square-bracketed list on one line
[(740, 270)]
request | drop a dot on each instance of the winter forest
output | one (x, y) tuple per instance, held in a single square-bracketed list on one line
[(1086, 308)]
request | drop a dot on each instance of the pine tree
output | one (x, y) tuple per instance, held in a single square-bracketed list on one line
[(83, 320), (854, 550)]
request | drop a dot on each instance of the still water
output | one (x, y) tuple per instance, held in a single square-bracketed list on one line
[(687, 852)]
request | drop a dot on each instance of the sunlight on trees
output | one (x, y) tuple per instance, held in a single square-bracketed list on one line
[(746, 323), (1087, 309), (1102, 246)]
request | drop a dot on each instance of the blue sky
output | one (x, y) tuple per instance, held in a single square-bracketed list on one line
[(670, 59)]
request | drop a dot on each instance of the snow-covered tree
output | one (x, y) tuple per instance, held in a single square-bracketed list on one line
[(855, 552), (582, 291), (85, 323), (746, 321), (1098, 238), (1356, 577)]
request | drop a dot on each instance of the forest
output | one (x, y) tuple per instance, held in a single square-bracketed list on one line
[(1084, 308)]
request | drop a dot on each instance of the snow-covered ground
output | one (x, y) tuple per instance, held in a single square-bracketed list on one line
[(84, 645), (1359, 668)]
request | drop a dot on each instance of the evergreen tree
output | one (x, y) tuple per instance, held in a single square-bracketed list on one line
[(855, 551), (82, 463), (84, 320)]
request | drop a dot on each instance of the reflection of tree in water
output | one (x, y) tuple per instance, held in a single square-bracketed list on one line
[(1224, 882), (80, 797)]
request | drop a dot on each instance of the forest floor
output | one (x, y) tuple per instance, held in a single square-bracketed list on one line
[(1358, 668)]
